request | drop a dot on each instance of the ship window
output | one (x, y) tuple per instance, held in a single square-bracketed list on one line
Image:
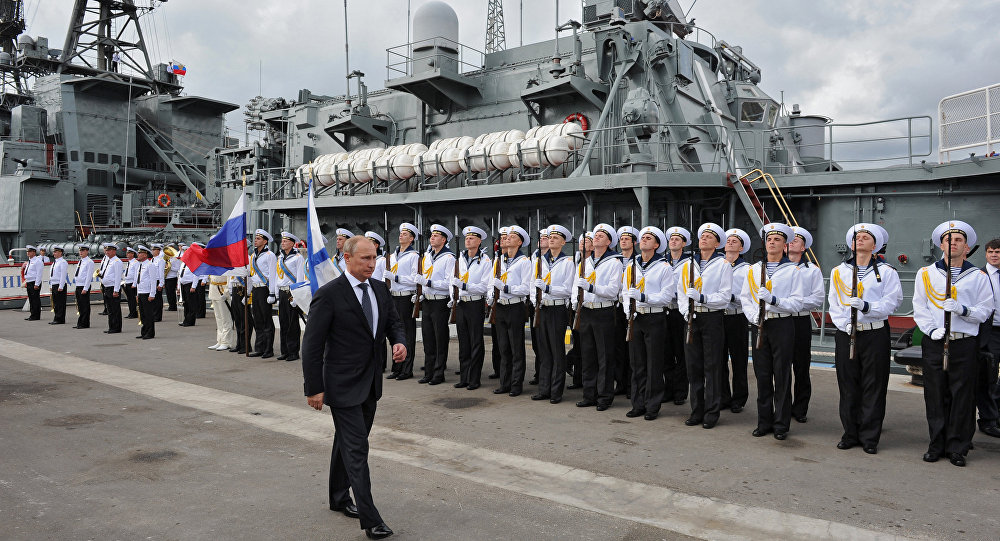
[(102, 158), (74, 155), (88, 157), (97, 177), (116, 159), (130, 161), (772, 114), (752, 111)]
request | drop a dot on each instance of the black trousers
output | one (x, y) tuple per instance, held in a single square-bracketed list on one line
[(58, 299), (404, 307), (158, 306), (434, 331), (510, 335), (863, 383), (623, 366), (170, 286), (950, 397), (801, 359), (737, 336), (646, 357), (83, 306), (34, 300), (987, 389), (263, 321), (704, 357), (597, 347), (190, 308), (147, 316), (552, 324), (494, 350), (772, 365), (573, 357), (533, 330), (288, 321), (349, 460), (199, 296), (130, 296), (469, 321), (242, 319), (674, 367), (114, 306)]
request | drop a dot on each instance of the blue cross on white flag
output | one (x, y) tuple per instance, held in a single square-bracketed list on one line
[(319, 266)]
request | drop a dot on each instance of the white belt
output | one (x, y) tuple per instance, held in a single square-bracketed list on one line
[(672, 306), (402, 293), (436, 297), (733, 311), (470, 298), (871, 326), (598, 305), (703, 310), (650, 309), (284, 288), (512, 300), (960, 335), (554, 302), (804, 313), (775, 315)]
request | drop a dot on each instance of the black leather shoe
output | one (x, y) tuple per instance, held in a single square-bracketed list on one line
[(760, 432), (515, 393), (957, 459), (493, 376), (844, 445), (458, 372), (650, 416), (991, 431), (931, 457), (77, 327), (709, 424), (534, 381), (801, 418), (691, 421), (871, 449), (586, 404), (391, 376), (281, 357), (349, 510), (137, 337), (254, 354), (539, 397), (555, 400), (424, 380), (403, 377), (635, 412), (780, 436), (573, 386), (736, 409), (460, 385), (54, 323), (292, 358), (501, 391), (602, 407), (472, 387), (267, 356), (435, 382), (378, 532), (679, 401)]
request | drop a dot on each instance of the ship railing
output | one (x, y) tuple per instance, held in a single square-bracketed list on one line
[(401, 59), (274, 183), (969, 120), (668, 147)]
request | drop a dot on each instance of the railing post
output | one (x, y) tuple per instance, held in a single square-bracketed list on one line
[(909, 139)]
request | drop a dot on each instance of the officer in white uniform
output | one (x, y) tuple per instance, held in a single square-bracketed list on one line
[(338, 258), (514, 286), (474, 268), (556, 284), (218, 293), (601, 286), (863, 379), (58, 282), (146, 280), (263, 293), (648, 281), (949, 391), (111, 282), (187, 281), (33, 283), (128, 281), (161, 265), (736, 394), (402, 274), (81, 281), (170, 280), (782, 295), (812, 281), (291, 269), (674, 367)]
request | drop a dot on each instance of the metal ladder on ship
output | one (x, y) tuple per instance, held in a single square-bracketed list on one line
[(164, 148), (744, 189)]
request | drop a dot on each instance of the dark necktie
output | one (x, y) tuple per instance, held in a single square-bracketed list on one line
[(366, 306)]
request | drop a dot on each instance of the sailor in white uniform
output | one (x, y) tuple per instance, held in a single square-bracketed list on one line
[(263, 293), (81, 281), (338, 258), (812, 281), (146, 279), (33, 283), (556, 283), (161, 280), (111, 282), (291, 269), (628, 247), (674, 367), (475, 277), (402, 274), (58, 284), (128, 281), (514, 286), (736, 394), (438, 267)]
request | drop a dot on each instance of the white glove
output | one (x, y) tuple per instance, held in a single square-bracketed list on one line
[(937, 334), (583, 283), (633, 293), (573, 305), (451, 303), (271, 300), (291, 302), (413, 298), (456, 282), (857, 303), (850, 328), (539, 284), (765, 295), (951, 305), (694, 294), (498, 284), (388, 275)]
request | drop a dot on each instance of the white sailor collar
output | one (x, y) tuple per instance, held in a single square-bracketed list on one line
[(607, 256)]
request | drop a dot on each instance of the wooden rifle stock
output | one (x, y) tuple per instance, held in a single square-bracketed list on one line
[(388, 266), (854, 311), (579, 291), (947, 314), (420, 287), (496, 290), (690, 326), (631, 305), (454, 291), (763, 305), (538, 290)]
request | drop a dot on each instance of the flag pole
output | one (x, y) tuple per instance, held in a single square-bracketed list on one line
[(246, 285)]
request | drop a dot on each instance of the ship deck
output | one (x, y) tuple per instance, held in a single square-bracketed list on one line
[(107, 437)]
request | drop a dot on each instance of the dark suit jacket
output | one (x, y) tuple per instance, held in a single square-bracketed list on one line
[(339, 354)]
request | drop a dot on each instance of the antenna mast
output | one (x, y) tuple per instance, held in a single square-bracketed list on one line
[(495, 35)]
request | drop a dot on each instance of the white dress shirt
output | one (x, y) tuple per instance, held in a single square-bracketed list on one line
[(83, 273), (654, 278), (131, 268), (34, 271), (879, 288), (973, 292), (371, 297), (785, 284), (112, 276), (993, 273), (715, 283), (146, 278), (158, 264), (59, 277), (475, 273)]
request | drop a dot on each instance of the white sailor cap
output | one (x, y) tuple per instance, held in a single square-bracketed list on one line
[(341, 232), (57, 247), (473, 230), (556, 229), (744, 238), (198, 244), (658, 233), (543, 232), (443, 230), (779, 228), (140, 248), (262, 233), (109, 245), (31, 247), (525, 239), (806, 235), (405, 226), (172, 244), (287, 235), (871, 229), (505, 230), (716, 230), (183, 244), (127, 249), (955, 226), (82, 246), (679, 231), (608, 230), (885, 233), (372, 235), (156, 246), (629, 230)]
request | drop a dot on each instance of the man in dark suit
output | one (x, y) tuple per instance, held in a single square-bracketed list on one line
[(349, 320)]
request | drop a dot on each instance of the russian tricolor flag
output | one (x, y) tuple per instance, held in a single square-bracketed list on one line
[(178, 69), (225, 251)]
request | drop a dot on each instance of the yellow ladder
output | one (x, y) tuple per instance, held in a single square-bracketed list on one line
[(779, 198)]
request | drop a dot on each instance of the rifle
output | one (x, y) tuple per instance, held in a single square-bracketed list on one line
[(538, 274), (388, 266), (631, 304), (690, 326), (854, 293), (947, 314), (583, 263), (763, 305), (420, 275), (496, 290), (458, 274)]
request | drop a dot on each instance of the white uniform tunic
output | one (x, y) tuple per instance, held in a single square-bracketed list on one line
[(439, 268), (740, 269), (475, 274), (34, 271), (112, 275), (59, 278), (186, 279), (515, 273), (404, 268), (784, 283), (971, 288), (558, 275), (84, 271), (605, 278), (159, 265), (379, 273), (655, 279), (131, 269), (146, 278), (715, 283), (878, 286), (291, 269), (812, 283), (263, 270), (674, 264)]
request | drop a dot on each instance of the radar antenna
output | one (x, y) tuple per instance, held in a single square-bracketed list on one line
[(495, 36)]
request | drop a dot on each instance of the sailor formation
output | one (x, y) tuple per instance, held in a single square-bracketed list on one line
[(664, 316)]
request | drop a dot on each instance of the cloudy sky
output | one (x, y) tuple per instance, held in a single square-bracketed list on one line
[(852, 60)]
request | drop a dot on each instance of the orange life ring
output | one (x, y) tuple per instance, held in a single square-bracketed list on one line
[(578, 117), (163, 200)]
